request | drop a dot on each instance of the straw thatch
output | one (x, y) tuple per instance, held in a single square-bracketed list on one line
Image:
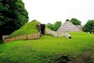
[(69, 27)]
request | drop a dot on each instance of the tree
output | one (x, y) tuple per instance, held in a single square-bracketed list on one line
[(57, 24), (54, 26), (75, 21), (13, 15), (50, 26), (89, 26)]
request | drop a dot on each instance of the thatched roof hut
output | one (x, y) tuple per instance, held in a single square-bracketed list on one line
[(68, 26)]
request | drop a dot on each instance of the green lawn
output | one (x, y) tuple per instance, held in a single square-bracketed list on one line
[(47, 48)]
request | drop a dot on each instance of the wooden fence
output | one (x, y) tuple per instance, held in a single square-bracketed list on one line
[(21, 37)]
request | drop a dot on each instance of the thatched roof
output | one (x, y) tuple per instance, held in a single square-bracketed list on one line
[(68, 26), (79, 27)]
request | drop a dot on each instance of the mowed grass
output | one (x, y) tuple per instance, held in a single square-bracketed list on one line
[(47, 48)]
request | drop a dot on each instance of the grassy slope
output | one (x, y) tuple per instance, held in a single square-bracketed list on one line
[(28, 28), (46, 48)]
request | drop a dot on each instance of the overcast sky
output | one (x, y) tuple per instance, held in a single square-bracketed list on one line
[(49, 11)]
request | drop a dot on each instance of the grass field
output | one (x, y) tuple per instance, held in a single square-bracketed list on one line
[(47, 49)]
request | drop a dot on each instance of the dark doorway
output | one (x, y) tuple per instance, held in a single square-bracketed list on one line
[(41, 28)]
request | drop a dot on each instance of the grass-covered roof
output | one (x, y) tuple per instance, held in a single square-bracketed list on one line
[(28, 28)]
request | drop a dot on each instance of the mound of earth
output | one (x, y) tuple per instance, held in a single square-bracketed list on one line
[(28, 28)]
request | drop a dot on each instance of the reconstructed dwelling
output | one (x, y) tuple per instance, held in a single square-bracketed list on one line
[(69, 27)]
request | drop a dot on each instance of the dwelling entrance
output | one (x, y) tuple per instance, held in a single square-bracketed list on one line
[(41, 28)]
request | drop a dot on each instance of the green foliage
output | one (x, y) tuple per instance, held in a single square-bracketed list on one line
[(13, 15), (89, 26), (1, 41), (28, 28), (57, 25), (75, 21), (50, 26), (54, 26), (47, 48)]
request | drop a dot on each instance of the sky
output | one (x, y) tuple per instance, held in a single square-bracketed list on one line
[(50, 11)]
